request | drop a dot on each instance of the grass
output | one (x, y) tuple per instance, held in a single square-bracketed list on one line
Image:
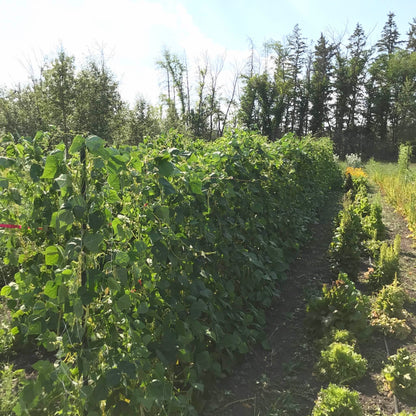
[(399, 186)]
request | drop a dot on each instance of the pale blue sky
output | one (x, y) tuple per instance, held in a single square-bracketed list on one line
[(132, 33)]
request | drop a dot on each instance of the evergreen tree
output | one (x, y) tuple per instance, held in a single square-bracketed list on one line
[(384, 95), (296, 59), (411, 41), (389, 41), (321, 87), (144, 121)]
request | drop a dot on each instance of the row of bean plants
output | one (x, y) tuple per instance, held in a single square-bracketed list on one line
[(342, 316), (144, 272)]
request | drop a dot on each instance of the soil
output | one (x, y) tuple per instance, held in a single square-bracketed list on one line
[(280, 381)]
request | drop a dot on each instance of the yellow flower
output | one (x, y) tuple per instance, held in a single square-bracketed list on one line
[(355, 172)]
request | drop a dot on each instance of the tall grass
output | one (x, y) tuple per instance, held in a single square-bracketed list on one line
[(398, 183)]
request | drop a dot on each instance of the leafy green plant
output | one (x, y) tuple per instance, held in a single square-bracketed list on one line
[(338, 335), (340, 364), (400, 374), (391, 299), (145, 271), (373, 226), (341, 306), (10, 383), (344, 250), (387, 264), (337, 401)]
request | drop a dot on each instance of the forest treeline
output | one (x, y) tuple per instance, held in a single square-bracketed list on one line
[(362, 96)]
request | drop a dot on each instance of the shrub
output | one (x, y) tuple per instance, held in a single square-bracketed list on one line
[(340, 364), (341, 306), (400, 374), (337, 401), (387, 265)]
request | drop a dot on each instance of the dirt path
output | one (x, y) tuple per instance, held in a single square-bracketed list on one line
[(280, 381)]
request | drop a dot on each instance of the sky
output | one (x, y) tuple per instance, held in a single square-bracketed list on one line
[(133, 33)]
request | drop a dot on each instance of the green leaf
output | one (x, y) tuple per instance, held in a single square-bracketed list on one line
[(124, 302), (95, 145), (196, 185), (112, 196), (4, 183), (93, 241), (159, 389), (167, 186), (122, 259), (76, 145), (96, 220), (197, 308), (78, 309), (112, 377), (63, 181), (35, 172), (35, 328), (48, 340), (121, 275), (15, 195), (51, 167), (78, 205), (5, 291), (44, 367), (62, 294), (162, 213), (114, 181), (6, 162), (142, 308), (52, 255), (165, 167), (51, 289)]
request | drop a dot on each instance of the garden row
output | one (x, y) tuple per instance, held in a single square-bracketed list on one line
[(398, 183), (142, 273), (344, 318)]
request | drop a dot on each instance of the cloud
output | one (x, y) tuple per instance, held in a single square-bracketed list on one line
[(132, 34)]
